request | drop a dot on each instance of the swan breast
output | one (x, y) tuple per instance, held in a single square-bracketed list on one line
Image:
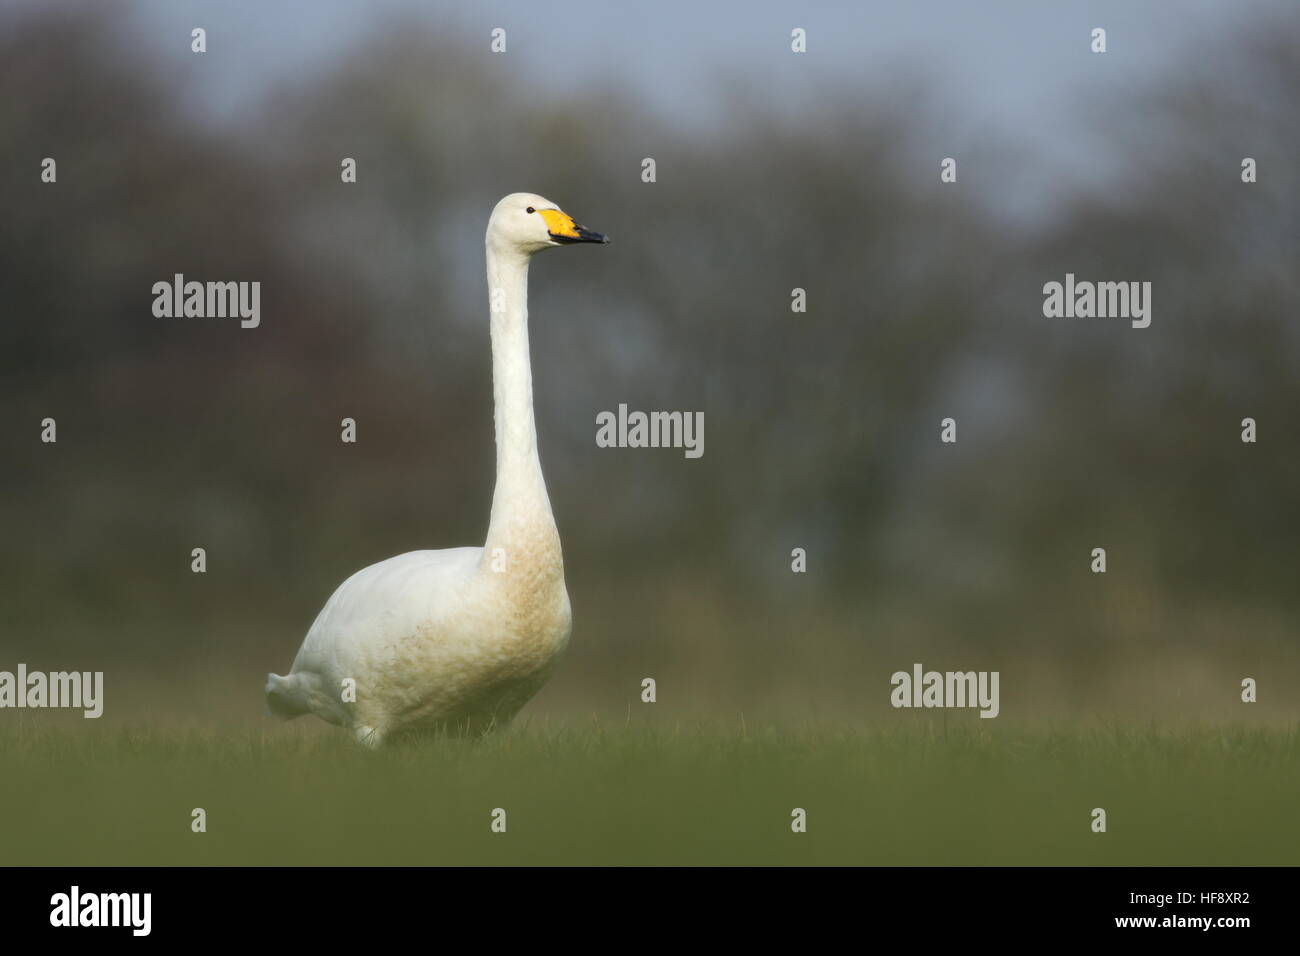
[(433, 635)]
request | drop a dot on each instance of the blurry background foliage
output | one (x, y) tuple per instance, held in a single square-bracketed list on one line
[(821, 429)]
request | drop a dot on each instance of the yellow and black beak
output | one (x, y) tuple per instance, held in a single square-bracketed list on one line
[(564, 230)]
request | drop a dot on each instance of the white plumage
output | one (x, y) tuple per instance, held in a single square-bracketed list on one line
[(459, 638)]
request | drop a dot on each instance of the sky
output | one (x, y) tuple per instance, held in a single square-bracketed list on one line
[(1007, 61), (1017, 75)]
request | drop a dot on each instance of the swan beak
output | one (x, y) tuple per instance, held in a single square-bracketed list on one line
[(565, 231)]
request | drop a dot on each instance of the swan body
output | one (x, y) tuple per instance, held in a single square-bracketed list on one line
[(461, 638)]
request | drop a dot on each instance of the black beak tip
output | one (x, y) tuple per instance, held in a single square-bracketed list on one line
[(584, 235)]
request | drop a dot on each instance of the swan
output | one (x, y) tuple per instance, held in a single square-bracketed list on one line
[(461, 638)]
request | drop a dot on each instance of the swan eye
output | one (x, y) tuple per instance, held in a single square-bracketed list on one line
[(531, 209)]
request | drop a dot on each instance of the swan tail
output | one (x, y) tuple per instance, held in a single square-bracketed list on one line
[(282, 698)]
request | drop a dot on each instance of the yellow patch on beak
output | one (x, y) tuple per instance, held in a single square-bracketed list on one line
[(558, 224)]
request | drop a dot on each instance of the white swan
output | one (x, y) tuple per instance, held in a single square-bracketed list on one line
[(460, 638)]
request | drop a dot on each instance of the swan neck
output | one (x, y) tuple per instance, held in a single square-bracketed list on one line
[(521, 511)]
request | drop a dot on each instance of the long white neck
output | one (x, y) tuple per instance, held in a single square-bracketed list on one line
[(522, 524)]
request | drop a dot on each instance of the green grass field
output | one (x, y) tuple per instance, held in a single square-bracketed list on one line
[(634, 795)]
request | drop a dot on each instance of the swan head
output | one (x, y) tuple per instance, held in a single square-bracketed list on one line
[(528, 223)]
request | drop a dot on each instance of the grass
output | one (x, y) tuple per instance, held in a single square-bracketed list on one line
[(638, 795)]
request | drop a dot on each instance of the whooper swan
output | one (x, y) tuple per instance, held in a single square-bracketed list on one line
[(462, 638)]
